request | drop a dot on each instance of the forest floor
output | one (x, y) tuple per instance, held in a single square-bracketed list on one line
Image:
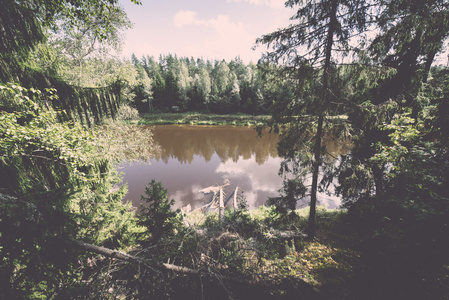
[(195, 118), (285, 268), (331, 266)]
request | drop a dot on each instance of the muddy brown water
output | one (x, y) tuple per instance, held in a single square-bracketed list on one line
[(195, 157)]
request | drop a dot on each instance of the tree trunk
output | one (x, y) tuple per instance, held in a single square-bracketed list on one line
[(429, 60), (221, 207), (235, 198), (316, 168), (378, 181), (319, 133)]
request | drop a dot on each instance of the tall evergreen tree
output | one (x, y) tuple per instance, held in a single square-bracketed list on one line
[(308, 50)]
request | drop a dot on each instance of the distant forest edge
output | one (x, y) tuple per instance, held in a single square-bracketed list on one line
[(167, 84), (188, 84)]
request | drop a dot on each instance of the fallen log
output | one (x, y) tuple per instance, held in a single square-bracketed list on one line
[(288, 234), (178, 269), (215, 188), (134, 259), (109, 252)]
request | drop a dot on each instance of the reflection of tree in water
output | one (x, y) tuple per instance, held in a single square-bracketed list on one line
[(229, 142), (334, 146)]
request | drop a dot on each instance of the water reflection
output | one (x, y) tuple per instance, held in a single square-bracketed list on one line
[(262, 179), (195, 157), (183, 142)]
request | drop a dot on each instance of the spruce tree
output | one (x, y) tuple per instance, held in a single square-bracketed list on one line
[(308, 51)]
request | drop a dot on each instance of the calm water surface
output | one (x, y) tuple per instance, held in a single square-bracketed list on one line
[(196, 157)]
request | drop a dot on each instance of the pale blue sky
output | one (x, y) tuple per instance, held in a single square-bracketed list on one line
[(212, 29)]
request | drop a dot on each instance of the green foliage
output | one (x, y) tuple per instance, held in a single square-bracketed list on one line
[(127, 113), (293, 189), (30, 137), (156, 215), (75, 52), (23, 25), (435, 114), (403, 225), (56, 186), (21, 32), (358, 175), (308, 51), (161, 238), (215, 86), (58, 182), (410, 35), (58, 179), (89, 106)]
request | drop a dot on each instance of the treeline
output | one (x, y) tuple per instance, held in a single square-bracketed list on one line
[(181, 84)]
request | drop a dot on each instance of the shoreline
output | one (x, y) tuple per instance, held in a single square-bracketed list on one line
[(195, 118)]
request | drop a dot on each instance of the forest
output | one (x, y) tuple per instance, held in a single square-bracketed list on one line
[(358, 71)]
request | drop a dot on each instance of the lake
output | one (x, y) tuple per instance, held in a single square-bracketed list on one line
[(195, 157)]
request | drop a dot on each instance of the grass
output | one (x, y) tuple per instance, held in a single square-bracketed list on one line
[(195, 118)]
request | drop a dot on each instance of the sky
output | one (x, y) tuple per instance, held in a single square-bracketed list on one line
[(211, 29), (208, 29)]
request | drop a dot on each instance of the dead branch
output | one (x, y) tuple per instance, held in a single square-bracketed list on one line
[(178, 269), (134, 259), (289, 234)]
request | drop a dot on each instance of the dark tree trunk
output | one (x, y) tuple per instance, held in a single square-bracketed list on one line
[(429, 60), (311, 230), (378, 181)]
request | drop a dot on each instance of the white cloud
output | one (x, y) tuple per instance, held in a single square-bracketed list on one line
[(225, 37), (262, 177), (258, 182), (222, 23), (185, 17), (270, 3)]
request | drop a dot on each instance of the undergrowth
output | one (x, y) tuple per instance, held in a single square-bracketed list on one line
[(251, 244)]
